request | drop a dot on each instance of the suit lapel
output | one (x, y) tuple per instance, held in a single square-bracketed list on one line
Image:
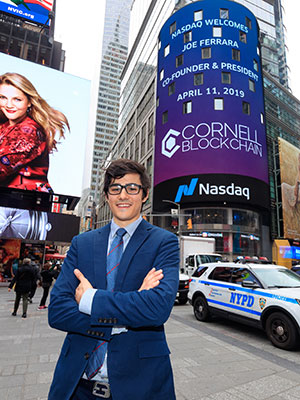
[(100, 252), (140, 235)]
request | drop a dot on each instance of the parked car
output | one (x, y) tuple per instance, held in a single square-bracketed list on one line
[(267, 296), (183, 289), (296, 268)]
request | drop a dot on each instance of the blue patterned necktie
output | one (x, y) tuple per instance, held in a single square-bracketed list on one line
[(113, 260)]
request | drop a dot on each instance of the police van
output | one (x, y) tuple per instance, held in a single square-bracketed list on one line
[(263, 295)]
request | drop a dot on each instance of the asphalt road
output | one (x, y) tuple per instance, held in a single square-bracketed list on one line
[(215, 360)]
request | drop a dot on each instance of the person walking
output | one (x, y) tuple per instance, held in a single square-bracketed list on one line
[(114, 293), (47, 276), (37, 278), (23, 282)]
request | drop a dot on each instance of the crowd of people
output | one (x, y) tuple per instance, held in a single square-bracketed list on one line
[(28, 275)]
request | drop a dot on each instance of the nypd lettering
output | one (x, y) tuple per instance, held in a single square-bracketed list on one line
[(246, 300)]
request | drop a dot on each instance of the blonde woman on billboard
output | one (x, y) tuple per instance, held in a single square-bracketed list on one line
[(28, 127)]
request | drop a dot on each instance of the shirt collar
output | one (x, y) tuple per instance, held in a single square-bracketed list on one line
[(130, 229)]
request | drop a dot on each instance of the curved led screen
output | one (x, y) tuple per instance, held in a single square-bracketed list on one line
[(210, 143)]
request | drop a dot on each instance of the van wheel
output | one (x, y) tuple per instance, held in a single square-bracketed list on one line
[(201, 310), (281, 331)]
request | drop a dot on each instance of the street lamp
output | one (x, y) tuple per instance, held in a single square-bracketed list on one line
[(178, 213)]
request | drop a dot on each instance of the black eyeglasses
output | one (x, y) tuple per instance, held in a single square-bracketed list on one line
[(131, 188)]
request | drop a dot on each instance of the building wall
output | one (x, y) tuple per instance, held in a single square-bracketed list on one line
[(282, 109)]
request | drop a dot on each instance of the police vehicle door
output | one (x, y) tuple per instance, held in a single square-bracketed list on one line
[(243, 300), (218, 293)]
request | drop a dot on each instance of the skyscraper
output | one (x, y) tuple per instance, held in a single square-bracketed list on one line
[(138, 108), (114, 54)]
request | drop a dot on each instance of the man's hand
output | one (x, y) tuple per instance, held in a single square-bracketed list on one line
[(83, 285), (9, 289), (152, 279)]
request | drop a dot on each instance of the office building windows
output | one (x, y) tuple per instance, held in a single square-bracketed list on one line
[(217, 31), (248, 23), (219, 104), (179, 60), (187, 37), (226, 78), (198, 15), (167, 50), (165, 117), (236, 55), (161, 74), (206, 52), (255, 65), (246, 108), (172, 28), (198, 79), (187, 107), (243, 37), (224, 13), (171, 89), (251, 85)]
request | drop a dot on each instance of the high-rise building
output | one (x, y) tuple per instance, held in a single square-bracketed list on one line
[(250, 231), (31, 40), (114, 55)]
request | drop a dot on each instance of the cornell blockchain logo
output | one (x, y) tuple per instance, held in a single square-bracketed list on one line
[(213, 136), (168, 145)]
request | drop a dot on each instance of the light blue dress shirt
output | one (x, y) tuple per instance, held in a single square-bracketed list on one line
[(85, 305)]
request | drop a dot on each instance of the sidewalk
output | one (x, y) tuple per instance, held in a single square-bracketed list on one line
[(209, 363)]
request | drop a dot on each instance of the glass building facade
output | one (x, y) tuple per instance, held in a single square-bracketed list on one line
[(237, 231), (114, 54)]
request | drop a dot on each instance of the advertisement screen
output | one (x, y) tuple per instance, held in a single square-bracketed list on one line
[(21, 224), (9, 252), (30, 157), (289, 156), (32, 10), (210, 143)]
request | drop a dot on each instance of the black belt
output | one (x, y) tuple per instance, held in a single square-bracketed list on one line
[(98, 389)]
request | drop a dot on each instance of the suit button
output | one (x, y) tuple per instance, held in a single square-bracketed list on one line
[(86, 356), (115, 320), (101, 334), (105, 320), (89, 332), (97, 333), (100, 320)]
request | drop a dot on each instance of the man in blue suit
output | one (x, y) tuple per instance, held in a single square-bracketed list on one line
[(125, 323)]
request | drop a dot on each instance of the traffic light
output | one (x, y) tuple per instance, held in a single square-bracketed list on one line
[(189, 223)]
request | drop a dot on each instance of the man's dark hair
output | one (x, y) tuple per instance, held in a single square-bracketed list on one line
[(118, 168)]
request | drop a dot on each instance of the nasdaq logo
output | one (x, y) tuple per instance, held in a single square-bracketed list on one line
[(242, 299), (186, 190)]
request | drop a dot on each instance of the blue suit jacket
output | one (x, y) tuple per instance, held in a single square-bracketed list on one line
[(138, 360)]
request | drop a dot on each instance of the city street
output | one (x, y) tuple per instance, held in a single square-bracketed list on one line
[(216, 360)]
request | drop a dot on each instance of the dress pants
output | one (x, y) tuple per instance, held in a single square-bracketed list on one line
[(17, 301), (83, 392), (45, 295)]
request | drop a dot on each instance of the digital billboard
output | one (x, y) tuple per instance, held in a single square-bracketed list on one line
[(21, 224), (210, 142), (29, 160), (289, 156), (36, 11)]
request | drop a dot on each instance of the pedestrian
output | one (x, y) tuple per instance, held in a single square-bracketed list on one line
[(37, 277), (115, 291), (47, 276), (23, 282)]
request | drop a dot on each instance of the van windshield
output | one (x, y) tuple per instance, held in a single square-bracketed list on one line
[(207, 258)]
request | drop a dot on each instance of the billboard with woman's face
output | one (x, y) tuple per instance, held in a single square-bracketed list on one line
[(210, 143), (43, 127), (290, 188)]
